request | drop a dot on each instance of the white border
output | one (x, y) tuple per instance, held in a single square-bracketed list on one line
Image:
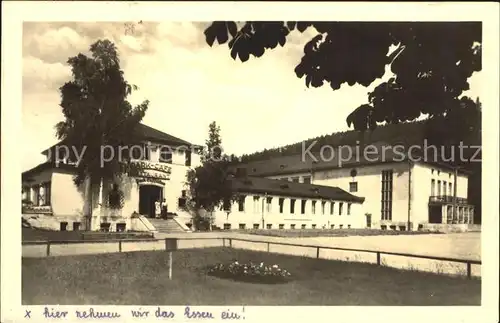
[(14, 13)]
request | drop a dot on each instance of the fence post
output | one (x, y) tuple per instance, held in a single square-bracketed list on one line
[(119, 246), (378, 258), (317, 252), (469, 270), (268, 246), (223, 242), (230, 243), (166, 248), (48, 248)]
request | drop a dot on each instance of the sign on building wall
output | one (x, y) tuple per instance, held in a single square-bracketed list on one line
[(152, 172)]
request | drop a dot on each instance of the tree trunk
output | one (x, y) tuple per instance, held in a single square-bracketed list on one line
[(88, 202)]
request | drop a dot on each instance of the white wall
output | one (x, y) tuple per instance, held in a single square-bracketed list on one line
[(253, 214), (369, 179)]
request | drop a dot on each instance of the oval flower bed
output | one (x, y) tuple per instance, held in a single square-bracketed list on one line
[(250, 272)]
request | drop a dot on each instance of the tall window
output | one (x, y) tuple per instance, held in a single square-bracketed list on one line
[(439, 188), (313, 206), (256, 204), (268, 204), (433, 183), (281, 203), (303, 207), (323, 203), (46, 187), (332, 204), (450, 186), (348, 208), (444, 188), (340, 208), (241, 203), (307, 179), (295, 179), (188, 157), (387, 176), (292, 206)]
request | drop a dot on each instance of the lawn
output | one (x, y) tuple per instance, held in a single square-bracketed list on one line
[(32, 234), (141, 278), (309, 233)]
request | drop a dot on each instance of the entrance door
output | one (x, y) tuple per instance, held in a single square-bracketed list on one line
[(435, 215), (148, 195)]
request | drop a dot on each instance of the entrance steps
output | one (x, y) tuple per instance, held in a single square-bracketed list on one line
[(167, 226)]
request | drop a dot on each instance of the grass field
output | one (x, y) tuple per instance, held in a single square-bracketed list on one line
[(330, 233), (141, 278)]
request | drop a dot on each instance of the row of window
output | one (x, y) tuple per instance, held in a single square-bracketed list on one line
[(269, 226), (443, 188), (104, 227), (281, 204), (141, 152), (40, 197)]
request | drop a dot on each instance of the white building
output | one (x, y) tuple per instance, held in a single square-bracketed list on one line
[(51, 199), (396, 192)]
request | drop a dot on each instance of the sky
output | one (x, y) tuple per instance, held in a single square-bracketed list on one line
[(257, 104)]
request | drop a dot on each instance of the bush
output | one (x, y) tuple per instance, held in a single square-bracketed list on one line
[(250, 272)]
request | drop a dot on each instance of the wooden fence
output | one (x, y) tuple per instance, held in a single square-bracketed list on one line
[(228, 242)]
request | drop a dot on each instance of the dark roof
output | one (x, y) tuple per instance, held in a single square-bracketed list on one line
[(148, 133), (341, 158), (284, 188), (43, 167)]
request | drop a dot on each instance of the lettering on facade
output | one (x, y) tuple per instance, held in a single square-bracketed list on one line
[(152, 171), (150, 181)]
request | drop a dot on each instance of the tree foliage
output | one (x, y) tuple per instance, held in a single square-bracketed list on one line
[(432, 61), (209, 184), (97, 113)]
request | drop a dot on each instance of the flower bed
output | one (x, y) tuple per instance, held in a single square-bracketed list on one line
[(250, 272)]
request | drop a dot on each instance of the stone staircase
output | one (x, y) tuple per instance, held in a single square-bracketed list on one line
[(167, 226)]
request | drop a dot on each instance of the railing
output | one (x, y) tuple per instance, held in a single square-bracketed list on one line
[(447, 199), (379, 254)]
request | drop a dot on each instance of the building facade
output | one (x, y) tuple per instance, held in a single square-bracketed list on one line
[(51, 199)]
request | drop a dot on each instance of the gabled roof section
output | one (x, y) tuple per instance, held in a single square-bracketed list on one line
[(26, 175), (259, 185), (148, 133)]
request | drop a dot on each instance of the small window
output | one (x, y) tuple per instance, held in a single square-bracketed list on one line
[(393, 227), (341, 226), (353, 186), (242, 226), (383, 227), (332, 226), (313, 226), (256, 226), (183, 193), (165, 154), (120, 227), (269, 226), (227, 206), (303, 226), (292, 226), (227, 226), (307, 180), (402, 228), (76, 226), (295, 179), (182, 202), (63, 226), (348, 226), (281, 226)]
